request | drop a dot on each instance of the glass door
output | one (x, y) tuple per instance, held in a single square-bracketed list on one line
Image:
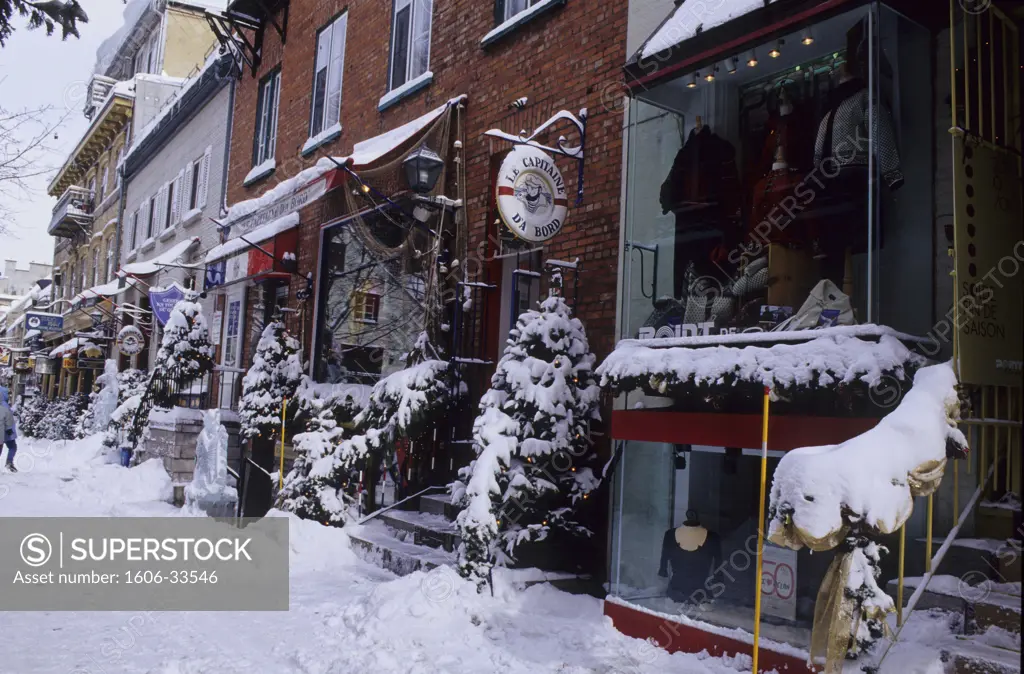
[(231, 348)]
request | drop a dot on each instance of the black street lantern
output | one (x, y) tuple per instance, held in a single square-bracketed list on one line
[(423, 169)]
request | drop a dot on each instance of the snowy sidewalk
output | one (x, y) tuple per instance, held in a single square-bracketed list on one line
[(346, 616)]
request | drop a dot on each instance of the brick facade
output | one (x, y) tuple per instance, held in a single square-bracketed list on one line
[(568, 58)]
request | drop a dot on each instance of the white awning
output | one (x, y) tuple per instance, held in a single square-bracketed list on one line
[(104, 290), (70, 346), (258, 235), (172, 256)]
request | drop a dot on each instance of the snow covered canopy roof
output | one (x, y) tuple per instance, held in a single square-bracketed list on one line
[(699, 32), (172, 256), (364, 154), (70, 346), (258, 235), (831, 359), (103, 290)]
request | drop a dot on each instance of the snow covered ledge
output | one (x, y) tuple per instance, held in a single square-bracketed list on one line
[(825, 361), (408, 89), (519, 19)]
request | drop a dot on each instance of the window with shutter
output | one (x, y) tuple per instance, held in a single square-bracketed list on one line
[(160, 221), (150, 212), (204, 178)]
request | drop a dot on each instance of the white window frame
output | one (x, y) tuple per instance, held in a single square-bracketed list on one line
[(420, 21), (329, 104), (266, 119), (151, 217), (360, 301), (516, 7)]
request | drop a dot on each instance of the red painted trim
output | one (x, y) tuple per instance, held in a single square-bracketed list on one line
[(505, 191), (561, 202), (336, 178), (661, 73), (675, 637), (735, 430)]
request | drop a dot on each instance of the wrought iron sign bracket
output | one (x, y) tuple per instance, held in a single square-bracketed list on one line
[(230, 32), (563, 149)]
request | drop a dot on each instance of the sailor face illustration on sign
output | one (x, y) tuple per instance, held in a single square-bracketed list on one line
[(531, 194)]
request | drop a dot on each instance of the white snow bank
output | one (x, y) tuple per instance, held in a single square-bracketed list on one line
[(823, 362), (816, 490), (314, 547)]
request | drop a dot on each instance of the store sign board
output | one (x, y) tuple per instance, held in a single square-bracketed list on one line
[(163, 301), (989, 265), (130, 340), (278, 209), (5, 356), (22, 365), (531, 194), (778, 582), (47, 365), (44, 322)]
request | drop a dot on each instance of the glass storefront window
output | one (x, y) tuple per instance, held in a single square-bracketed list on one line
[(684, 542), (799, 167), (372, 292)]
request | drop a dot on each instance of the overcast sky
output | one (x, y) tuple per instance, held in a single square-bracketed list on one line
[(36, 70)]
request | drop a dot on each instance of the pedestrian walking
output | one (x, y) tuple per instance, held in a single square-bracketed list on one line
[(9, 425)]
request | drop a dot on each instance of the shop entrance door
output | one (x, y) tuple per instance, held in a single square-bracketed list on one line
[(231, 348)]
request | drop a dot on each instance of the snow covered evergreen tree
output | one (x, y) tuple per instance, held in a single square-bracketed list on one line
[(534, 461), (131, 384), (274, 376), (870, 601), (185, 352)]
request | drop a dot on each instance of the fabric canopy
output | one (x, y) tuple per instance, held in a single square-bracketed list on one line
[(171, 256), (104, 290)]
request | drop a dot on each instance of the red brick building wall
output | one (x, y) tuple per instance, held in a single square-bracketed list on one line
[(568, 58)]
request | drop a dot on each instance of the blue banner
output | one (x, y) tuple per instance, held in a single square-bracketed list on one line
[(215, 274), (44, 322), (163, 301)]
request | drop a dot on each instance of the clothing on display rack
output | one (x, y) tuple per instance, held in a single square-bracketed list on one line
[(703, 173)]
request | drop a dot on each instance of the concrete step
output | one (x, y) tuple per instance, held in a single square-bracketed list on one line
[(375, 542), (431, 530), (984, 603), (439, 504), (998, 610), (973, 657)]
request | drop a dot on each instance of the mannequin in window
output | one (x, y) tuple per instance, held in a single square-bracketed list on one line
[(702, 190), (691, 553), (843, 131)]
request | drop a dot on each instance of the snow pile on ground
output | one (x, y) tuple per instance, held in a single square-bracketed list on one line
[(824, 362), (873, 477), (345, 615)]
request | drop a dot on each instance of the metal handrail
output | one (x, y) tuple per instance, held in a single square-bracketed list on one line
[(395, 505)]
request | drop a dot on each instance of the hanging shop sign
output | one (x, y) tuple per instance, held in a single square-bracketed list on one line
[(47, 366), (22, 365), (778, 582), (91, 363), (5, 356), (130, 340), (989, 255), (44, 322), (163, 300), (70, 364), (531, 194)]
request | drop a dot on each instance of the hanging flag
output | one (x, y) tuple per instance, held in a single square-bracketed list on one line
[(162, 300)]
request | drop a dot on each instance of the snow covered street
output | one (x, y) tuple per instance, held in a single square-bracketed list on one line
[(346, 616)]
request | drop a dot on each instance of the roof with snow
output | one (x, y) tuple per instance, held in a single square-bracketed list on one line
[(177, 110), (171, 256)]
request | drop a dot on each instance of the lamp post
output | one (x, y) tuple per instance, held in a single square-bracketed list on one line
[(423, 169)]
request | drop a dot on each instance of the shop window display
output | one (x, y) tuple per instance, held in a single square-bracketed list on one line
[(684, 542), (771, 184)]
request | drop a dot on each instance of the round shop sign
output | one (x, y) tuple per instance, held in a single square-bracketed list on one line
[(34, 322), (130, 340), (531, 194)]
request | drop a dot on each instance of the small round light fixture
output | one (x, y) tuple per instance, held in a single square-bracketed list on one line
[(710, 77), (731, 65), (752, 59), (423, 169), (776, 51), (806, 37), (691, 83)]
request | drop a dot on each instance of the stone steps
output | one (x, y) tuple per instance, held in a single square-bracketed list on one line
[(979, 658)]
